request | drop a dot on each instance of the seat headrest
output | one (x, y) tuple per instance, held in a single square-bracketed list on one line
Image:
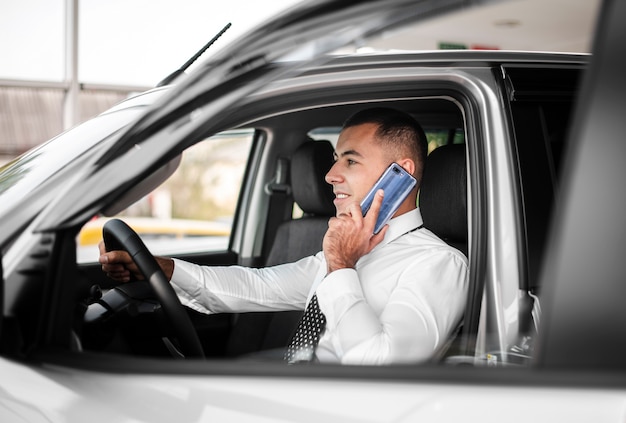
[(443, 194), (309, 165)]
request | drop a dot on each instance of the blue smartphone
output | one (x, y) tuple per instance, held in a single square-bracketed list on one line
[(397, 183)]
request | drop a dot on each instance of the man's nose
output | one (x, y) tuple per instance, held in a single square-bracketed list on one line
[(332, 177)]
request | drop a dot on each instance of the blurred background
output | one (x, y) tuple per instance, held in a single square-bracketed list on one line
[(64, 61)]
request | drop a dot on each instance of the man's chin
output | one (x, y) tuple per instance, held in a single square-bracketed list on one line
[(341, 210), (343, 206)]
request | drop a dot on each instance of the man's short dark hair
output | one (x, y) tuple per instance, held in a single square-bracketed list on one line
[(397, 129)]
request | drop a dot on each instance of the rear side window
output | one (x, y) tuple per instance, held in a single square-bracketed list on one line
[(438, 137)]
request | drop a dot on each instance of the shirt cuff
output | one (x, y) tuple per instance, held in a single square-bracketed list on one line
[(186, 283), (184, 277)]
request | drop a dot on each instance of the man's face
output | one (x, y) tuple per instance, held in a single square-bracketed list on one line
[(359, 163)]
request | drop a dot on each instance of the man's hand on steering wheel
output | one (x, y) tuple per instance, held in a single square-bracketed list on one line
[(119, 265), (128, 257)]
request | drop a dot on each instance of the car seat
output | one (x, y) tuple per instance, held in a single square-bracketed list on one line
[(443, 195), (298, 238)]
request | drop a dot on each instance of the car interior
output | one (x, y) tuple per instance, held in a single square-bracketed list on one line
[(127, 320)]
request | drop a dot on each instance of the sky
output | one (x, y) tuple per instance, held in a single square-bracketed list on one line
[(140, 42), (128, 42)]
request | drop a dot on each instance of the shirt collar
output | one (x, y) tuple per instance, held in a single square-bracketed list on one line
[(402, 224)]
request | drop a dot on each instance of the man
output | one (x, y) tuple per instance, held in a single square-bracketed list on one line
[(386, 298)]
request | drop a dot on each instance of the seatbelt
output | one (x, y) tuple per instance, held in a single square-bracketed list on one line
[(279, 191)]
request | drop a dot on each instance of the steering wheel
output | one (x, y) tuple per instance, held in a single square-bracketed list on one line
[(118, 235)]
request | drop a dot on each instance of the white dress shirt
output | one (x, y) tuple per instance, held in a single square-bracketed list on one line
[(398, 304)]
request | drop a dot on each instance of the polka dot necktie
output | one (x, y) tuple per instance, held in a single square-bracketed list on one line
[(307, 335)]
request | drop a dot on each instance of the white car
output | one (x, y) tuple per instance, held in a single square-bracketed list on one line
[(525, 177)]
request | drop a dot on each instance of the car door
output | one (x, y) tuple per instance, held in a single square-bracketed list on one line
[(583, 271)]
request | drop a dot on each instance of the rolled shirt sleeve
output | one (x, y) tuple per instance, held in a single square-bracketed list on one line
[(236, 289)]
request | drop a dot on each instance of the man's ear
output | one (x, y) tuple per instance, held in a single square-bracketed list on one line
[(408, 165)]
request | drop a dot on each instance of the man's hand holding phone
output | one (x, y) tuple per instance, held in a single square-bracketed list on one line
[(356, 232), (351, 235), (397, 184)]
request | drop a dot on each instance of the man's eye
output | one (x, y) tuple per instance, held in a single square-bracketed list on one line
[(351, 162)]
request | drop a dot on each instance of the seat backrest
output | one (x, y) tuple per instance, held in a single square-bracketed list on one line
[(294, 239), (299, 238), (443, 195)]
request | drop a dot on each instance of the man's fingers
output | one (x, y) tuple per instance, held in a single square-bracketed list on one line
[(110, 258), (118, 265), (117, 257), (374, 211)]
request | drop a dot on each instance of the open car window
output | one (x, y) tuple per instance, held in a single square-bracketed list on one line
[(450, 104)]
